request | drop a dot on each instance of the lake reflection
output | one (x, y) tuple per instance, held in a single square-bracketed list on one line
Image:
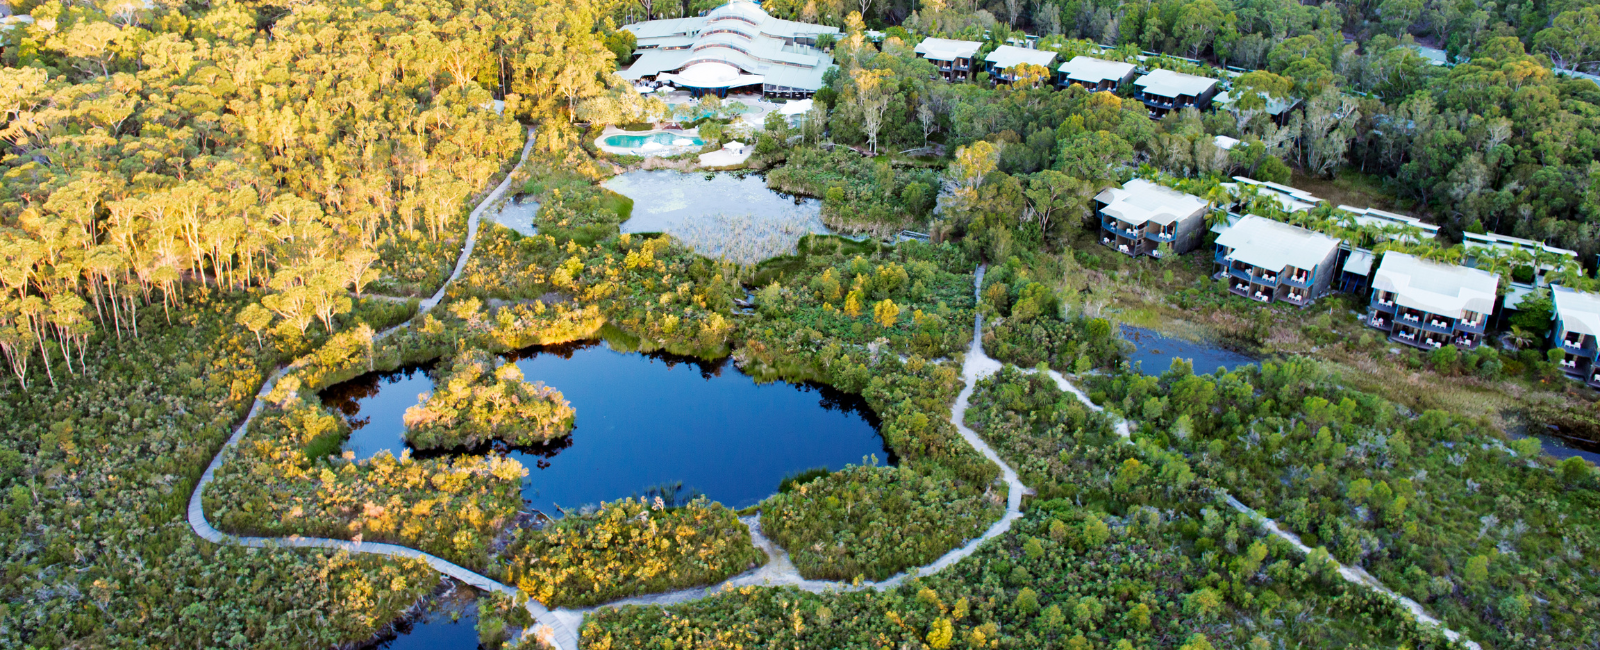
[(1154, 352), (646, 421)]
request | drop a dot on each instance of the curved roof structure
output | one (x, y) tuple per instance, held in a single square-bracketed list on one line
[(765, 50)]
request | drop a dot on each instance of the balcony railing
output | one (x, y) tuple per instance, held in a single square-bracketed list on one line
[(1302, 280), (1297, 296), (1437, 325), (1268, 279), (1112, 226), (1381, 304), (1163, 236), (1240, 274), (1469, 326)]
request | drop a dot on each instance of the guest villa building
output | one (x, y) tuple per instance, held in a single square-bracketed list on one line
[(1095, 74), (734, 47), (1003, 61), (1577, 316), (1164, 90), (953, 58), (1430, 305), (1271, 261), (1137, 218)]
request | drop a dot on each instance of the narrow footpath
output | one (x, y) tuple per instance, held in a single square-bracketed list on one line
[(559, 629), (1353, 575)]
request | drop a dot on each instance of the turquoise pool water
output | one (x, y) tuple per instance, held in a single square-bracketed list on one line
[(663, 139)]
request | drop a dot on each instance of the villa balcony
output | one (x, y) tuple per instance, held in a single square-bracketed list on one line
[(1162, 236), (1594, 379), (1302, 280), (1475, 328), (1417, 338), (1380, 320), (1219, 257), (1577, 367), (1437, 325), (1381, 304), (1127, 247), (1576, 347), (1268, 279), (1132, 233), (1296, 296), (1240, 274)]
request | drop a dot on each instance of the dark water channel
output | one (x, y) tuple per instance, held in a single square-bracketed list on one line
[(645, 421), (1154, 352)]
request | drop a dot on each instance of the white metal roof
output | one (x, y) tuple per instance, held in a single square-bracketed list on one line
[(1092, 71), (1139, 201), (1273, 245), (1167, 83), (1507, 242), (1292, 199), (1359, 262), (738, 34), (1579, 311), (1376, 217), (1225, 143), (1007, 56), (1443, 289), (944, 49), (1274, 106)]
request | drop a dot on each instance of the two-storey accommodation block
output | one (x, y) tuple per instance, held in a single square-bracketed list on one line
[(1577, 324), (1271, 261), (1139, 217), (1004, 61), (952, 57), (1429, 304), (1164, 91), (1095, 74)]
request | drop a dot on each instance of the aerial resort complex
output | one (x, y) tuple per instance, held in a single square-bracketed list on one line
[(799, 325), (735, 47)]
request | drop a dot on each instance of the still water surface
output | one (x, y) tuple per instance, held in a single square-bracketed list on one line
[(1154, 352), (645, 421)]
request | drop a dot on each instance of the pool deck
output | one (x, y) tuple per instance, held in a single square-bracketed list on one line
[(600, 142)]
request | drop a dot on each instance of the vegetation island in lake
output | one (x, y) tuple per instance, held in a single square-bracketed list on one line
[(616, 324)]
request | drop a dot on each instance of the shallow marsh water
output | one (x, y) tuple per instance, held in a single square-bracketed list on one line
[(644, 422), (1154, 352), (719, 214), (517, 214)]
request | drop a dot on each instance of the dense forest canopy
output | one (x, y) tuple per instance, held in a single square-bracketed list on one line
[(192, 195)]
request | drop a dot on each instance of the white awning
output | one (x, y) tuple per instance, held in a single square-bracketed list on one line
[(712, 75), (795, 108)]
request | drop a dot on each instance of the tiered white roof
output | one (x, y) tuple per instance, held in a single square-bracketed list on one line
[(1090, 71), (944, 49), (1444, 289), (1139, 201), (1007, 56), (1579, 311), (1166, 83), (1273, 245), (738, 35)]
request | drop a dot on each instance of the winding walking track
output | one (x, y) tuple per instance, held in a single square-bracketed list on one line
[(559, 628)]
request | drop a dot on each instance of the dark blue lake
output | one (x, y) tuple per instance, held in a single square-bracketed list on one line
[(433, 630), (1153, 353), (645, 421)]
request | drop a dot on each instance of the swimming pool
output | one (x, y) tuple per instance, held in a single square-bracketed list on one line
[(664, 139)]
